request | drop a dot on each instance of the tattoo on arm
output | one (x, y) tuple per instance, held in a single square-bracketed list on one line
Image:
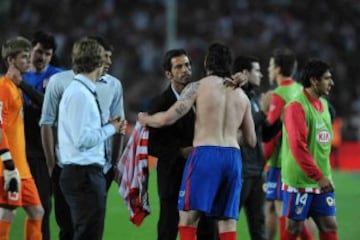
[(189, 91), (180, 109)]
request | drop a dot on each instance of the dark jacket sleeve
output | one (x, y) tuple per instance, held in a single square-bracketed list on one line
[(36, 97), (269, 131), (259, 118), (166, 143), (163, 142)]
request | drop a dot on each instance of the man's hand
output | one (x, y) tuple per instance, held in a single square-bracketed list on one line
[(265, 100), (142, 118), (239, 79), (325, 184), (11, 175), (117, 177), (186, 151), (12, 183), (120, 125), (123, 126)]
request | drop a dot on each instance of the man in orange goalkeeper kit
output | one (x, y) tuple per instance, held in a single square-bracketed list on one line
[(17, 186)]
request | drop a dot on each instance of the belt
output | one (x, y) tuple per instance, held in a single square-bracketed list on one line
[(89, 166)]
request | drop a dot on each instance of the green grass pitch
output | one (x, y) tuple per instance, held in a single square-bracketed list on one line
[(118, 226)]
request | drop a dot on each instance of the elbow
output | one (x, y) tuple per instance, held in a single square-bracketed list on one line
[(159, 120), (163, 122), (158, 124), (251, 139), (252, 142), (166, 121)]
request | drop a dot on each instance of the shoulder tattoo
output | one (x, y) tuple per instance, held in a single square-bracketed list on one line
[(189, 91)]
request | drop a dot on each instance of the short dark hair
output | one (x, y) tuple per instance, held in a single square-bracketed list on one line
[(171, 54), (106, 45), (218, 60), (47, 40), (285, 59), (314, 68), (242, 63)]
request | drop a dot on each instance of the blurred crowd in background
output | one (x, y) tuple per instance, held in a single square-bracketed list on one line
[(137, 29)]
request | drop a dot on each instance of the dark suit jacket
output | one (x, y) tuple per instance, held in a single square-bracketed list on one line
[(165, 144)]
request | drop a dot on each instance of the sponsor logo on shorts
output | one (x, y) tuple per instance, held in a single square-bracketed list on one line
[(299, 209), (330, 201), (271, 185), (13, 196)]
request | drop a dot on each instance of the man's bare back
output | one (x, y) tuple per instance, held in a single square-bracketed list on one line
[(214, 166), (220, 112)]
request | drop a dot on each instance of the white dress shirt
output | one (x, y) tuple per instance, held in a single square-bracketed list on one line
[(81, 136), (110, 94)]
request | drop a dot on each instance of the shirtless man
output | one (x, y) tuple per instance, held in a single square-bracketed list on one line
[(212, 178)]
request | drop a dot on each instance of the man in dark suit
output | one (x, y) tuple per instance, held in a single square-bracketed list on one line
[(171, 145), (252, 193)]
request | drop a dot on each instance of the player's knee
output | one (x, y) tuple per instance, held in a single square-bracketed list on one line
[(326, 224), (35, 212), (7, 213), (330, 226), (189, 218), (40, 212), (294, 227)]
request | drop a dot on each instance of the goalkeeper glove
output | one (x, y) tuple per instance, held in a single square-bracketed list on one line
[(12, 184), (11, 177)]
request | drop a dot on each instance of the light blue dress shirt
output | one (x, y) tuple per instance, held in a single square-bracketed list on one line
[(110, 96), (81, 134)]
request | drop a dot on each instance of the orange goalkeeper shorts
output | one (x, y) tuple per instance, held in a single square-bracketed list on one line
[(28, 195)]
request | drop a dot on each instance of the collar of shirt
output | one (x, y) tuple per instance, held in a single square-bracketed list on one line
[(175, 92), (90, 84), (103, 79), (316, 102), (287, 81)]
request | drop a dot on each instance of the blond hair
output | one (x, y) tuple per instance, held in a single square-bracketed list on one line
[(87, 55), (13, 47)]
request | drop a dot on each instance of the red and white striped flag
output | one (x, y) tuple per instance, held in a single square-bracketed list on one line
[(133, 174)]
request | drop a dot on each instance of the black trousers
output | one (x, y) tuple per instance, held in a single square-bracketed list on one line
[(42, 180), (84, 189), (62, 209), (167, 226), (109, 177), (253, 200)]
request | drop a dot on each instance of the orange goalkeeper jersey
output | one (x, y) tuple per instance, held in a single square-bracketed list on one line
[(11, 100)]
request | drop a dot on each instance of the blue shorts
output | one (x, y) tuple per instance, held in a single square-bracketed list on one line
[(212, 182), (273, 184), (299, 206)]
